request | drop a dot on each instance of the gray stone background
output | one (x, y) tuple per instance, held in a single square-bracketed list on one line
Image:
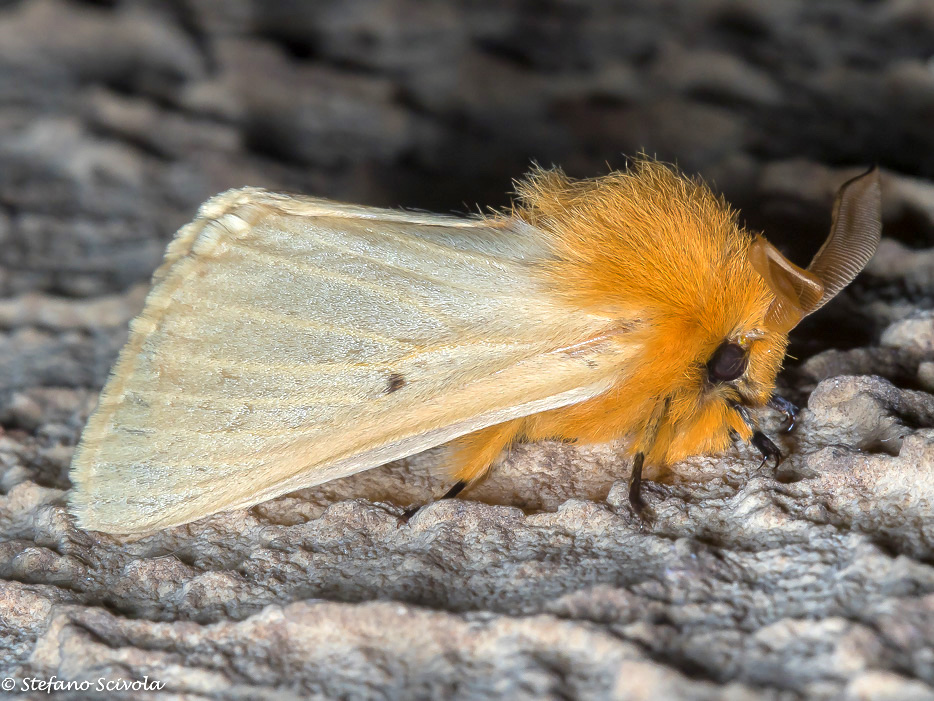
[(117, 118)]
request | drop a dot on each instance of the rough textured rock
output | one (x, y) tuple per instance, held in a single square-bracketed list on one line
[(813, 581)]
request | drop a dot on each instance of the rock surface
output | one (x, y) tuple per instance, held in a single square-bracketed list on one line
[(812, 581)]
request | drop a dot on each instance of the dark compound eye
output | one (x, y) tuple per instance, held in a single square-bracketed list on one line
[(727, 362)]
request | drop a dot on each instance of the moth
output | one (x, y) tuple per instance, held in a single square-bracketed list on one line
[(288, 341)]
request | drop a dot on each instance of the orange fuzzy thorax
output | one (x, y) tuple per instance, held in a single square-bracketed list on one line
[(664, 258)]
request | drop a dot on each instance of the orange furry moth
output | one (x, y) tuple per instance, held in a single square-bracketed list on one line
[(288, 340)]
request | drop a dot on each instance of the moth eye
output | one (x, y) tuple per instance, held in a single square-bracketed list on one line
[(727, 362)]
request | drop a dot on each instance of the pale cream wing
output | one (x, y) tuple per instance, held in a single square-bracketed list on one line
[(289, 341)]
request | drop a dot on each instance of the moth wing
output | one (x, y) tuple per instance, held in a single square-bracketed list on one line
[(289, 341)]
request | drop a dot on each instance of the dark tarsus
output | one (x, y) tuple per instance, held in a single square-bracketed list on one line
[(635, 485)]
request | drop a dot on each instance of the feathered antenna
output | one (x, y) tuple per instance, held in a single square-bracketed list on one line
[(854, 235)]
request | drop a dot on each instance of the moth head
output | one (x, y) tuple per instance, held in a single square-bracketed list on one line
[(854, 234)]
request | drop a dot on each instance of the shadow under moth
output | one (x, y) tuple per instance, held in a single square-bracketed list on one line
[(288, 341)]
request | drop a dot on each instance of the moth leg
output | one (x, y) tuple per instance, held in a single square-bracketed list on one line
[(744, 415), (785, 407), (458, 487), (455, 490), (474, 455), (635, 485), (762, 442), (768, 449)]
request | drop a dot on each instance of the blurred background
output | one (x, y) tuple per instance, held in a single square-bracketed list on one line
[(117, 118)]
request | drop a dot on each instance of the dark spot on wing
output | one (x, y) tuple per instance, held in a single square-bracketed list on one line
[(395, 383)]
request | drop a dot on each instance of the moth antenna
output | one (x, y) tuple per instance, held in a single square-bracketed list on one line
[(855, 231), (795, 289), (854, 235)]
